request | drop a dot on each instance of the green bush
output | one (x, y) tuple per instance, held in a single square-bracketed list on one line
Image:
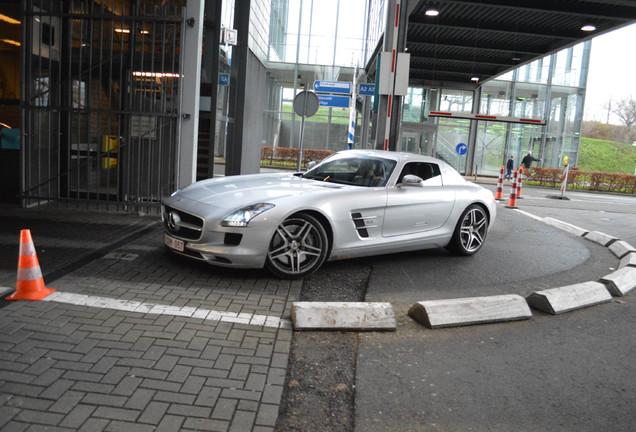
[(288, 157), (594, 180)]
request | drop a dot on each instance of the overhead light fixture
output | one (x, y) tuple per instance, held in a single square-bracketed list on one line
[(122, 30), (144, 31), (156, 74), (588, 28), (10, 42), (432, 12), (8, 19), (475, 79)]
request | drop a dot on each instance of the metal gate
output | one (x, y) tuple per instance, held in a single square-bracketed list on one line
[(100, 102)]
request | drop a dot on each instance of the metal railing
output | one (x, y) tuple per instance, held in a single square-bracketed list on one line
[(100, 102)]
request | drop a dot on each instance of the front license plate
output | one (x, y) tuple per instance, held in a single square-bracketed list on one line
[(173, 243)]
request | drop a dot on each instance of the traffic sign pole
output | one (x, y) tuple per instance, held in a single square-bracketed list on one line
[(352, 111), (305, 105)]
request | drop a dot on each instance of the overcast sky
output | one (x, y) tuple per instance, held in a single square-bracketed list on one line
[(612, 72)]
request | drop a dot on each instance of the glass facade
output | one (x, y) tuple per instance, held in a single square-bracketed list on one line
[(312, 40), (550, 88), (325, 32)]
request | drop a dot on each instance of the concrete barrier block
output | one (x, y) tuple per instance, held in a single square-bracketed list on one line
[(343, 316), (568, 298), (572, 229), (628, 260), (621, 248), (600, 238), (468, 311), (620, 282)]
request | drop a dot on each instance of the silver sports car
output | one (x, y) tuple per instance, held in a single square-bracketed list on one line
[(354, 203)]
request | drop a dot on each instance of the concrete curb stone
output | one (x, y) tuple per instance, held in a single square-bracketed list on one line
[(343, 316), (471, 310), (628, 260), (620, 282), (621, 248), (573, 229), (556, 301), (600, 238)]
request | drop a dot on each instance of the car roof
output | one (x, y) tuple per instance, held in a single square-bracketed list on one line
[(398, 156)]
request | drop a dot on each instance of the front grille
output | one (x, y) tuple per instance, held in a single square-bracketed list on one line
[(181, 224)]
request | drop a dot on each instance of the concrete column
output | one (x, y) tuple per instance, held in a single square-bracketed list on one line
[(383, 103), (472, 134), (211, 60), (238, 79), (190, 88)]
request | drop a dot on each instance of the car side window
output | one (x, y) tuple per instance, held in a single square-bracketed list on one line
[(424, 170)]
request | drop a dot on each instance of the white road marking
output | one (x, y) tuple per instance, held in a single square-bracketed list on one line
[(161, 309), (540, 219)]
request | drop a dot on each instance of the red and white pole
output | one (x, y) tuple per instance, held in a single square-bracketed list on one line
[(520, 182), (396, 24), (564, 182)]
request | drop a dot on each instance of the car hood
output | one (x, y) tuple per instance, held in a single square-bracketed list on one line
[(236, 191)]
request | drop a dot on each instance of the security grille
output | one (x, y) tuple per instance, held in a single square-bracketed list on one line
[(100, 102)]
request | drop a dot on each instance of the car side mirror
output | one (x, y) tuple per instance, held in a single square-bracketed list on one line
[(411, 180), (310, 165)]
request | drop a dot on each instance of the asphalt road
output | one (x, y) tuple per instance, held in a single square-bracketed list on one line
[(571, 372)]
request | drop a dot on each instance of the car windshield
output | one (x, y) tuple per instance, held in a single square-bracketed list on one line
[(357, 170)]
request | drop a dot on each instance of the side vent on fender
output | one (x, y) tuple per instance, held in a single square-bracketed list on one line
[(358, 221)]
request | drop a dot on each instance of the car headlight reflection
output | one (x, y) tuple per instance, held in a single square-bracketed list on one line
[(241, 217)]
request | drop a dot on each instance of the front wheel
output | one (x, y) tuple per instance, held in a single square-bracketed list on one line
[(470, 232), (299, 247)]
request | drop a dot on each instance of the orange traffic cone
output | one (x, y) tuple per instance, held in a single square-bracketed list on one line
[(499, 194), (30, 284), (512, 202)]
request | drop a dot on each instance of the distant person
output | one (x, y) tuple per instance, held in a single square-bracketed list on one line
[(527, 162), (510, 165)]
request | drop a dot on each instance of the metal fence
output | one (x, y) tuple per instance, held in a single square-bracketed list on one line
[(100, 102)]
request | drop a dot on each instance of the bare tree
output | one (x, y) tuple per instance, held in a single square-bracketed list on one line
[(625, 110), (608, 107)]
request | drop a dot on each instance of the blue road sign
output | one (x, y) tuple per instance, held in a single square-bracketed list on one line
[(338, 87), (224, 79), (461, 149), (334, 101), (366, 89)]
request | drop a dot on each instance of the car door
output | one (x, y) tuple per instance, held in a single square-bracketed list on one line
[(417, 207)]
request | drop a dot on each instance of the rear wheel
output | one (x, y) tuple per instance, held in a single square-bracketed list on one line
[(299, 247), (470, 232)]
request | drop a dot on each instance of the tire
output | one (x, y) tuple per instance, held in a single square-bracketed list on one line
[(298, 248), (470, 232)]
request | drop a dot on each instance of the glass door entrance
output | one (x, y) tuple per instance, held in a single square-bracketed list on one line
[(417, 138)]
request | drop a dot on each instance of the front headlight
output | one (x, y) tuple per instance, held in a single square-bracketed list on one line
[(241, 217)]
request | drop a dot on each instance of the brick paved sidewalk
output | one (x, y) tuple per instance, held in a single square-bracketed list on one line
[(76, 367)]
